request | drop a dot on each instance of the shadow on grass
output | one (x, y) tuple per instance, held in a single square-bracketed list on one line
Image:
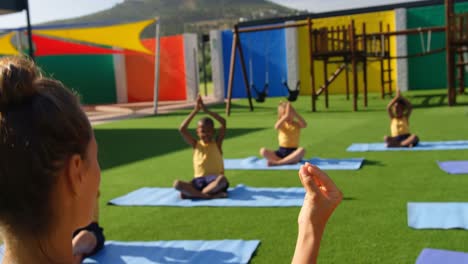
[(373, 163), (431, 100), (361, 110), (244, 106), (122, 146)]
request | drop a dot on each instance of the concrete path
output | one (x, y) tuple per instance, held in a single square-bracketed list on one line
[(101, 114)]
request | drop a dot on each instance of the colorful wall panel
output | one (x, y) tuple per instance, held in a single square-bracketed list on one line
[(191, 66), (92, 76), (372, 21), (428, 72), (217, 63), (140, 71), (265, 58)]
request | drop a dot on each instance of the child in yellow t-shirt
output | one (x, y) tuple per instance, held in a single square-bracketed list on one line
[(208, 165), (289, 126), (399, 110)]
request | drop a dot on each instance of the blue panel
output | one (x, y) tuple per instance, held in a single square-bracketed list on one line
[(265, 58)]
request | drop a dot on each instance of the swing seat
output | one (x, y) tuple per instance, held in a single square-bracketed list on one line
[(261, 95), (293, 95)]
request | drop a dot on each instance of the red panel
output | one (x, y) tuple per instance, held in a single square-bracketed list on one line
[(47, 46), (140, 71)]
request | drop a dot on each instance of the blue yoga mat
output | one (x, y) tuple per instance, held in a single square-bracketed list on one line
[(177, 251), (435, 145), (439, 256), (255, 163), (454, 167), (438, 215), (240, 196)]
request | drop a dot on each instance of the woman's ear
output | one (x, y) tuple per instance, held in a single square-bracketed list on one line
[(74, 174)]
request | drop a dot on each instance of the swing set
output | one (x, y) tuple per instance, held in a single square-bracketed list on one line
[(342, 45), (262, 94)]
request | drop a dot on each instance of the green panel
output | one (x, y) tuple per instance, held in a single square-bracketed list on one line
[(92, 76), (428, 72)]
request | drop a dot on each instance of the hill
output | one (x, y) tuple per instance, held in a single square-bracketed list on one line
[(179, 16)]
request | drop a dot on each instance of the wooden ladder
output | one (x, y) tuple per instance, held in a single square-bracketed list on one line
[(330, 79)]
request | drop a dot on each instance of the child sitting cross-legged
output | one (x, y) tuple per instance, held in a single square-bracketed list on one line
[(289, 125), (399, 110), (209, 181)]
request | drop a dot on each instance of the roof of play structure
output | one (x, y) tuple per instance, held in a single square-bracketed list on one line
[(345, 12)]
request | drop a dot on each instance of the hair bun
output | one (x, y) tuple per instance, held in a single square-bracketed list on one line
[(17, 76)]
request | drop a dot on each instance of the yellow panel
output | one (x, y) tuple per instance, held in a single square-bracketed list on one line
[(6, 48), (125, 36), (338, 86)]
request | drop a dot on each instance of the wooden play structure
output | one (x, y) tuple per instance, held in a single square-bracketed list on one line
[(352, 52), (457, 46)]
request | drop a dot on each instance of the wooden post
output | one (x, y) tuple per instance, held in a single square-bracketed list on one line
[(325, 78), (347, 81), (461, 60), (326, 40), (311, 60), (344, 34), (389, 63), (382, 47), (352, 39), (244, 70), (451, 94), (364, 61), (345, 47), (232, 69)]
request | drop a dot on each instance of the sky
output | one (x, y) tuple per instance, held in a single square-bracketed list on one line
[(49, 10)]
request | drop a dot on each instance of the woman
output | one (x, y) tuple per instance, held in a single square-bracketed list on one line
[(49, 172)]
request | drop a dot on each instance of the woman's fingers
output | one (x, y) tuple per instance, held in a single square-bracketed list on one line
[(317, 182), (321, 177), (325, 184), (308, 181)]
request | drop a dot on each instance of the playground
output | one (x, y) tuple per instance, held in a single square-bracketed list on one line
[(337, 70), (370, 226)]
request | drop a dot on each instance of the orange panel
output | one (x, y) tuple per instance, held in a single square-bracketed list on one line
[(140, 71)]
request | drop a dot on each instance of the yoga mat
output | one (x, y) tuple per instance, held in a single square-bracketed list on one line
[(454, 167), (177, 251), (439, 256), (435, 145), (240, 196), (438, 215), (255, 163)]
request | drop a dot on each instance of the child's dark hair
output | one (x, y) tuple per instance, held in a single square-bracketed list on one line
[(401, 101), (41, 127), (206, 121)]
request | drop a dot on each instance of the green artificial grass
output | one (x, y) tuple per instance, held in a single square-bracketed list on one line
[(370, 226)]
